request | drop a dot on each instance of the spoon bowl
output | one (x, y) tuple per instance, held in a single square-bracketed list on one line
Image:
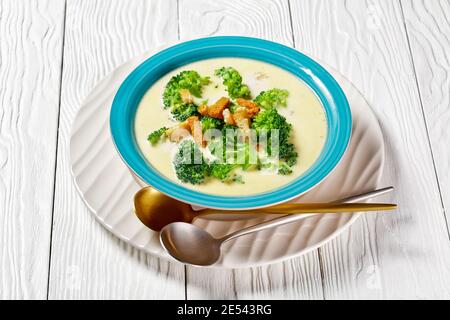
[(157, 210), (188, 243)]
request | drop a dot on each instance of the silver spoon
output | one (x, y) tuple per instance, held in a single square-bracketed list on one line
[(190, 244)]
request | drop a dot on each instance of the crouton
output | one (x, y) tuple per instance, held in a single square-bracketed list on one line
[(242, 119), (191, 121), (191, 126), (186, 96), (178, 132), (252, 108), (215, 110), (195, 127), (228, 117), (203, 110)]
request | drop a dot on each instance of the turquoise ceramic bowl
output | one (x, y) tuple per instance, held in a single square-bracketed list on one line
[(315, 76)]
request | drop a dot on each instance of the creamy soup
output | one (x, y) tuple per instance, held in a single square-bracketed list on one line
[(304, 111)]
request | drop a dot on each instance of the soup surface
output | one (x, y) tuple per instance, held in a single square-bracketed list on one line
[(303, 110)]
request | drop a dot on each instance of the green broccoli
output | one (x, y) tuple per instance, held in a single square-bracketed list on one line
[(211, 123), (237, 150), (223, 172), (233, 107), (188, 79), (284, 169), (191, 167), (183, 111), (229, 141), (156, 135), (288, 153), (246, 156), (273, 98), (270, 119), (233, 80), (228, 127), (185, 163), (214, 145)]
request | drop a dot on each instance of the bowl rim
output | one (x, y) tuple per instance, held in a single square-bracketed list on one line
[(325, 87)]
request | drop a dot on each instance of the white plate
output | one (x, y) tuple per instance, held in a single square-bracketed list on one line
[(107, 187)]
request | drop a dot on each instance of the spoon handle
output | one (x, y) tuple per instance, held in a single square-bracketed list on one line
[(365, 196), (352, 199), (301, 208), (293, 218)]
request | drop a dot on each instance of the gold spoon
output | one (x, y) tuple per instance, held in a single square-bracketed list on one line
[(156, 210)]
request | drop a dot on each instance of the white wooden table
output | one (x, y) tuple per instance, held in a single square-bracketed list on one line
[(52, 53)]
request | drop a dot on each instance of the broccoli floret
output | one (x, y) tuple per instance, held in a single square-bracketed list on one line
[(233, 80), (188, 79), (273, 98), (284, 169), (186, 168), (156, 135), (222, 143), (223, 172), (233, 133), (230, 143), (188, 171), (237, 150), (213, 145), (233, 107), (270, 119), (244, 155), (288, 153), (228, 127), (211, 123), (183, 111)]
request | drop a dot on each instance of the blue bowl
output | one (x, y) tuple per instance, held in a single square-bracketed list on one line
[(315, 76)]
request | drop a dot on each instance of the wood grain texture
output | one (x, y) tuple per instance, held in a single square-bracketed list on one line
[(267, 19), (428, 27), (30, 66), (86, 260), (294, 279), (297, 278), (407, 254)]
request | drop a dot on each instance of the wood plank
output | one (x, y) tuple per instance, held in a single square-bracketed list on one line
[(404, 255), (297, 278), (428, 27), (87, 261), (265, 19), (30, 63)]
